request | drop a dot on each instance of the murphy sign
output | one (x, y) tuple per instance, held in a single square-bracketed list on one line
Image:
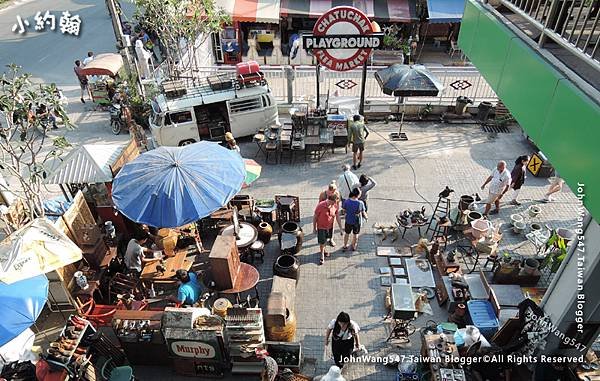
[(342, 39)]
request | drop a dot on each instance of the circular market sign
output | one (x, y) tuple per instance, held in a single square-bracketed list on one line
[(343, 38)]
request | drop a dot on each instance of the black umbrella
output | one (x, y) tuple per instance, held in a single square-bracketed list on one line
[(408, 81)]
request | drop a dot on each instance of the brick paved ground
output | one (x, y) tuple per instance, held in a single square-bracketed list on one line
[(458, 156)]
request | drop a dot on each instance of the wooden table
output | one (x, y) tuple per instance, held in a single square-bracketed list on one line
[(247, 279), (172, 264)]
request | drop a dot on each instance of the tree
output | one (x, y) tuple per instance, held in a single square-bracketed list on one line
[(24, 152), (182, 27)]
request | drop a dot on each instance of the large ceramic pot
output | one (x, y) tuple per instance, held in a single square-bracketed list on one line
[(292, 228), (264, 232), (287, 266), (285, 333), (465, 202)]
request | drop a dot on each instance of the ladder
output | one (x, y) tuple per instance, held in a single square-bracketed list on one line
[(442, 209)]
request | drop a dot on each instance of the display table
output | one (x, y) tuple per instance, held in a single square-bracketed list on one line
[(247, 279), (246, 237), (172, 264)]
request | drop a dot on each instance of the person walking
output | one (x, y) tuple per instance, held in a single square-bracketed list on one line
[(346, 182), (355, 213), (556, 185), (366, 184), (326, 213), (499, 181), (83, 81), (344, 338), (518, 176), (331, 190), (357, 134)]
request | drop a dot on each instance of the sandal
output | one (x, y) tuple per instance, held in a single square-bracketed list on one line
[(321, 261), (344, 248), (353, 248), (327, 254)]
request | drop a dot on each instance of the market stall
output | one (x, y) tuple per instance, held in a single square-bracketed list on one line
[(92, 168), (103, 70)]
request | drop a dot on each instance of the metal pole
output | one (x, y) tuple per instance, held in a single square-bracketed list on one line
[(289, 75), (361, 108), (318, 78)]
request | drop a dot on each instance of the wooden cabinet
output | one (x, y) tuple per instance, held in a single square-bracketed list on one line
[(225, 262)]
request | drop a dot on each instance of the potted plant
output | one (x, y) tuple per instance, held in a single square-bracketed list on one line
[(557, 248)]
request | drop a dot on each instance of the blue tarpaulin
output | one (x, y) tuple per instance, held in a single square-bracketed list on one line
[(22, 302), (441, 11), (173, 186)]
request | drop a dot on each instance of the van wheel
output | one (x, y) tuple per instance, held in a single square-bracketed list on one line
[(186, 142)]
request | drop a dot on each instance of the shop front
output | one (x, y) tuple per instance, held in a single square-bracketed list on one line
[(252, 33)]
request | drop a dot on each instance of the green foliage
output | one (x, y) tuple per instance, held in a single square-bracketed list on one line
[(23, 136), (177, 20), (394, 43), (557, 252)]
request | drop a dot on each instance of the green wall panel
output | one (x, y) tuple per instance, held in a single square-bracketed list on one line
[(468, 29), (570, 141), (527, 87), (563, 121), (490, 48)]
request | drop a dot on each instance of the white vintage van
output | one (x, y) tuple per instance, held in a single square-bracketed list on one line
[(183, 115)]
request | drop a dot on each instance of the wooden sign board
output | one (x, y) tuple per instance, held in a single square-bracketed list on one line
[(129, 153)]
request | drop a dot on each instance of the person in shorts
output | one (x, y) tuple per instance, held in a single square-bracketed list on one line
[(83, 81), (326, 213), (499, 181), (355, 213), (357, 134)]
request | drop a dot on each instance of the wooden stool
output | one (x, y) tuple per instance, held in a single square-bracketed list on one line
[(271, 151), (257, 249)]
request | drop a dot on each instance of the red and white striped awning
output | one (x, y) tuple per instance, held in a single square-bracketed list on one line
[(251, 10), (381, 10)]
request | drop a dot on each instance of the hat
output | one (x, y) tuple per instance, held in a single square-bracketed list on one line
[(334, 374), (228, 136)]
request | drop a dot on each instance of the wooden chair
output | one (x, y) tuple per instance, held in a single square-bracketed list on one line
[(122, 284)]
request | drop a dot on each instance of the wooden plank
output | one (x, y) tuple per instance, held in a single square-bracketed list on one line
[(129, 153)]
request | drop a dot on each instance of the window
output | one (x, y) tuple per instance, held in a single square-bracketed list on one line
[(244, 105), (178, 117)]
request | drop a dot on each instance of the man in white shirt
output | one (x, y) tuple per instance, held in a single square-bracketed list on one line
[(499, 181), (88, 59), (346, 182)]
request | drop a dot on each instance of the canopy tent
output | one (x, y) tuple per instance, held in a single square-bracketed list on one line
[(380, 10), (35, 249), (173, 186), (251, 10), (87, 164), (22, 303), (445, 11), (104, 64)]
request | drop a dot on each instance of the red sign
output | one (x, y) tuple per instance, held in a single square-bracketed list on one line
[(342, 39)]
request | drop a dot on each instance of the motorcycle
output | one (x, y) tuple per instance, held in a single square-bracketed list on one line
[(117, 121)]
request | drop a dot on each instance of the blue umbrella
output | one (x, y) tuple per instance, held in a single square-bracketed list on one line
[(174, 186), (22, 302)]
